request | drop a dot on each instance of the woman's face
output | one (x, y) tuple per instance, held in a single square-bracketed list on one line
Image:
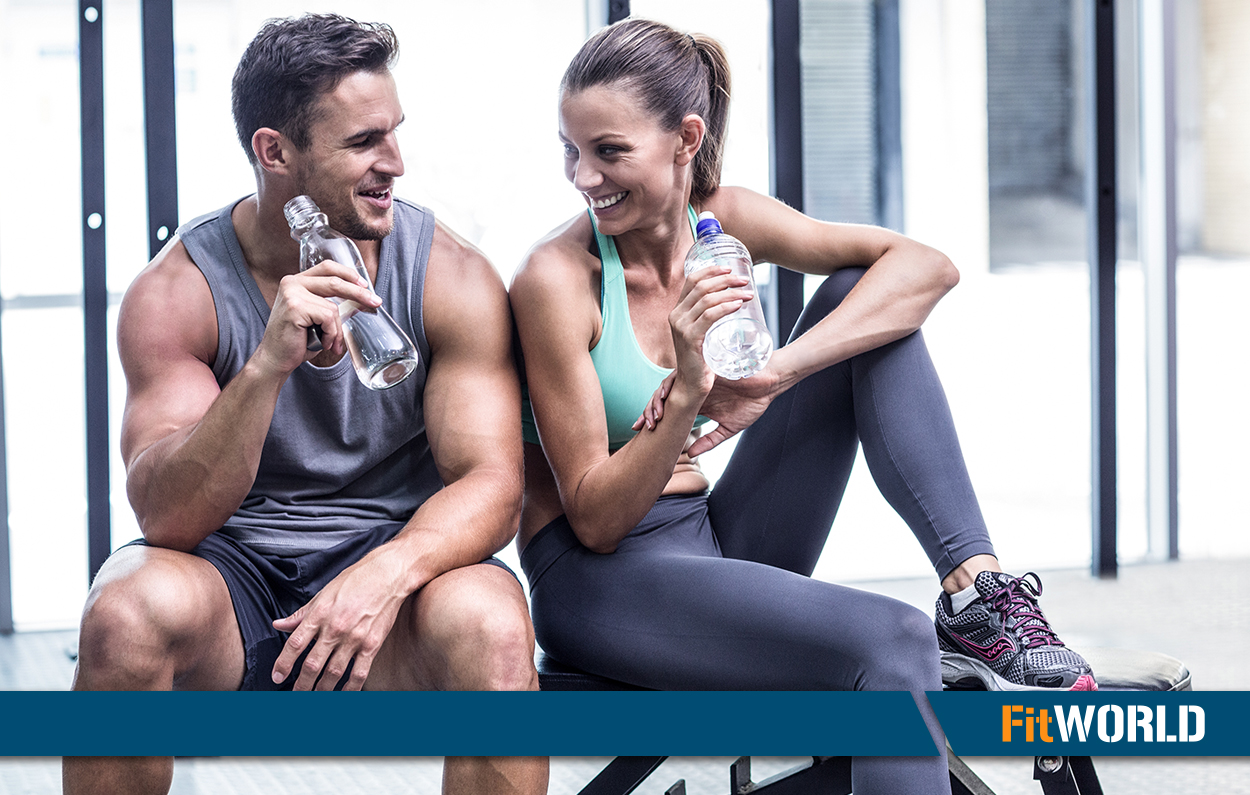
[(626, 166)]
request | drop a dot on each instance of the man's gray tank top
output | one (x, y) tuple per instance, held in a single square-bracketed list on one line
[(339, 458)]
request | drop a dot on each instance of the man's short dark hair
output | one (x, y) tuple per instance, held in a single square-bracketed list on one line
[(292, 62)]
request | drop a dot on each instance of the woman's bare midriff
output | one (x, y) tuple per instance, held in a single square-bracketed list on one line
[(542, 497)]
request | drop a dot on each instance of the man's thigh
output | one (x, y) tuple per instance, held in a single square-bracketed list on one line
[(467, 629), (169, 610)]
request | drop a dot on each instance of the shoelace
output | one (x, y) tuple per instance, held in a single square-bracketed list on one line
[(1017, 600)]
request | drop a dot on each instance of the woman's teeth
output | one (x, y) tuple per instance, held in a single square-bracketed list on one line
[(608, 202)]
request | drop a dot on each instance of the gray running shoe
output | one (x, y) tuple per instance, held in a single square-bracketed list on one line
[(1003, 642)]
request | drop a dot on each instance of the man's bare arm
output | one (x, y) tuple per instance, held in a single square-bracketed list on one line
[(191, 448), (472, 415)]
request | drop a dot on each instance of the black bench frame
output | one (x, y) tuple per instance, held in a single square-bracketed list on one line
[(831, 775)]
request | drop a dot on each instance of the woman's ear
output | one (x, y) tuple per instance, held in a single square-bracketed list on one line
[(272, 150), (690, 137)]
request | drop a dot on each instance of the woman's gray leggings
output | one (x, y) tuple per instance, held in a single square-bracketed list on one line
[(713, 591)]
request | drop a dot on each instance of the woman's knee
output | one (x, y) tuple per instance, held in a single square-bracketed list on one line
[(906, 656)]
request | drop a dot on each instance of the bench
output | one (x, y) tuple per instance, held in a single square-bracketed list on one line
[(1115, 669)]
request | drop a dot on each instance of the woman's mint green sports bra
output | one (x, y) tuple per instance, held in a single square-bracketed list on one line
[(626, 376)]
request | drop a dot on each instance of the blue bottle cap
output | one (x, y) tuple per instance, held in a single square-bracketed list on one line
[(707, 225)]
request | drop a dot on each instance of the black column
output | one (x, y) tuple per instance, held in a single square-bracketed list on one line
[(783, 297), (158, 97), (94, 285), (1101, 205)]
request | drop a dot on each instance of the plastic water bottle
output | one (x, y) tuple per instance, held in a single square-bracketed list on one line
[(737, 345), (381, 352)]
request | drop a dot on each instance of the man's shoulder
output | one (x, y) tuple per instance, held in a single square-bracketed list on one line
[(408, 212), (171, 279), (454, 263), (209, 219), (176, 273), (171, 272), (455, 255), (464, 294)]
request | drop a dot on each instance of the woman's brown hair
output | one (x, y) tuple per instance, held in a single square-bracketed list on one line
[(673, 73)]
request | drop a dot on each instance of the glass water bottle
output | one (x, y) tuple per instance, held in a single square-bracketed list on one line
[(381, 352)]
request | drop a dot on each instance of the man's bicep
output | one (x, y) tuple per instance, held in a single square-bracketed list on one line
[(169, 386), (158, 404), (472, 399), (473, 418)]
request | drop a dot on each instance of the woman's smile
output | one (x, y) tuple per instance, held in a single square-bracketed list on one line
[(606, 202)]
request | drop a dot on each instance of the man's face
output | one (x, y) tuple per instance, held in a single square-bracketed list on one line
[(353, 159)]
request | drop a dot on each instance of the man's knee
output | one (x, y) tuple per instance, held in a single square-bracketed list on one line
[(505, 641), (484, 624), (121, 636), (139, 611)]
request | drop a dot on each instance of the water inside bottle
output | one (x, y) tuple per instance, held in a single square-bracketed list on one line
[(380, 372), (388, 375), (381, 353), (737, 347)]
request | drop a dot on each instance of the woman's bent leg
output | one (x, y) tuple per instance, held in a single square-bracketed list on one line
[(777, 498)]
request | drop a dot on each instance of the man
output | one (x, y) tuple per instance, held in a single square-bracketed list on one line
[(301, 531)]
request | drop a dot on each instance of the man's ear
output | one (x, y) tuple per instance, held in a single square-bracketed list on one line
[(273, 150), (690, 137)]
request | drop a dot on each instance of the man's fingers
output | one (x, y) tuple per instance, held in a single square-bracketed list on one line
[(312, 667), (295, 644), (334, 669), (329, 267), (334, 287), (360, 670)]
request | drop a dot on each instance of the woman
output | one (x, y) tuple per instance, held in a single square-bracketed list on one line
[(639, 572)]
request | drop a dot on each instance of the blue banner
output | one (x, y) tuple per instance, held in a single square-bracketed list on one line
[(448, 724), (1103, 723)]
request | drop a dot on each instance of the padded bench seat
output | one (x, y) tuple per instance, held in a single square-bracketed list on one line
[(1126, 669), (555, 675), (1114, 669)]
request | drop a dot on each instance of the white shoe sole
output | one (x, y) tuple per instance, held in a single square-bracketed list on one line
[(957, 668)]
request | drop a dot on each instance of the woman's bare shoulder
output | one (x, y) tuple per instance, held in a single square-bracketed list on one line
[(561, 260)]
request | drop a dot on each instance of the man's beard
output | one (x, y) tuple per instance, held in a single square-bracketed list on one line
[(345, 219), (356, 229)]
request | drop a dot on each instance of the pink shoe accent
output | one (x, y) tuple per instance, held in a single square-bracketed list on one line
[(1086, 682)]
